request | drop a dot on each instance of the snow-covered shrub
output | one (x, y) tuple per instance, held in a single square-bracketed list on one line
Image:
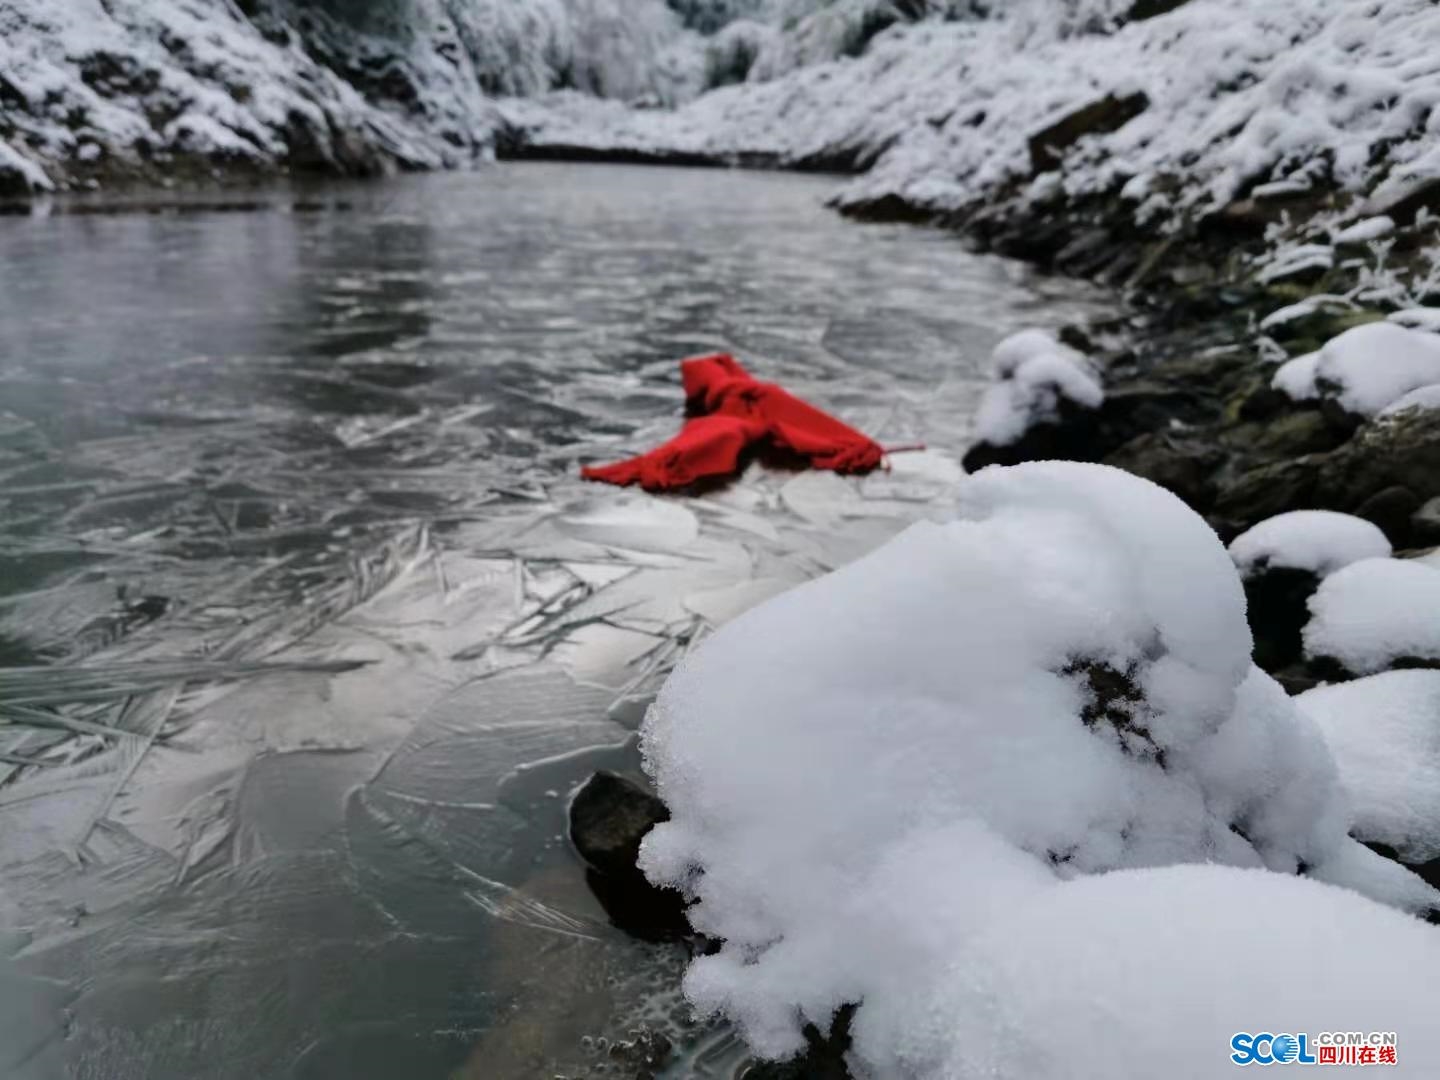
[(1384, 732), (869, 771), (1032, 373), (1375, 612), (1365, 368), (1320, 541)]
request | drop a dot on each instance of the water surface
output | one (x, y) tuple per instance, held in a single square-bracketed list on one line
[(308, 628)]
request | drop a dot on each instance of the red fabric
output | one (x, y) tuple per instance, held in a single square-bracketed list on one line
[(731, 412)]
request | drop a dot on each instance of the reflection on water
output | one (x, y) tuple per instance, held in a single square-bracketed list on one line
[(307, 628)]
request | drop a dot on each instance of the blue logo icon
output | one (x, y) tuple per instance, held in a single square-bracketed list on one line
[(1268, 1049)]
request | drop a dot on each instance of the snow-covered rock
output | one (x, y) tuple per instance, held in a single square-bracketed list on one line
[(1419, 318), (1132, 975), (1365, 368), (1425, 397), (1384, 733), (1320, 541), (871, 769), (1032, 373), (1364, 231), (1374, 612)]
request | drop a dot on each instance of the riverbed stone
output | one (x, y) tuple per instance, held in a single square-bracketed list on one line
[(1109, 113), (1391, 509), (1265, 491), (609, 816), (1425, 522), (1185, 466), (1276, 599)]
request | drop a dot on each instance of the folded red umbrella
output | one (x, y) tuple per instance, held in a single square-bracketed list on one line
[(730, 414)]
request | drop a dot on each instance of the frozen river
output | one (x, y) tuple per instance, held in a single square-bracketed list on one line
[(308, 627)]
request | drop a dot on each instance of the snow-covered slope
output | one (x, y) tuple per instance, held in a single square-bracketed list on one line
[(96, 90), (1191, 110)]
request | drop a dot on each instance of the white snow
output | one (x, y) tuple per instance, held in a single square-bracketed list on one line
[(1365, 368), (1420, 318), (1384, 732), (867, 771), (1031, 373), (1426, 397), (1297, 377), (1362, 232), (1147, 973), (1320, 541), (1241, 95), (1374, 612)]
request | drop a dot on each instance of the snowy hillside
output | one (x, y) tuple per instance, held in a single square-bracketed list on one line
[(1180, 114), (97, 90)]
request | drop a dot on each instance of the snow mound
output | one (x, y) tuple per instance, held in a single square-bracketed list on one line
[(1032, 373), (1366, 368), (1133, 975), (865, 770), (1375, 612), (1320, 541), (1426, 397), (1384, 732)]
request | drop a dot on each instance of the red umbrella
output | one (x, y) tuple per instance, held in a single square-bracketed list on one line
[(730, 412)]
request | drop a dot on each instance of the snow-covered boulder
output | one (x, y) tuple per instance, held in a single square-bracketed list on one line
[(869, 770), (1282, 560), (1426, 397), (1033, 377), (1318, 541), (1384, 732), (1374, 613), (1148, 973), (1365, 368)]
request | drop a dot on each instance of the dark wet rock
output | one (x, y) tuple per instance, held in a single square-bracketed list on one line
[(1296, 678), (1404, 201), (14, 184), (1186, 466), (1115, 707), (1148, 9), (823, 1059), (1110, 113), (1265, 491), (1290, 434), (609, 816), (1391, 509), (1399, 451), (1425, 522), (1073, 435), (1276, 599)]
